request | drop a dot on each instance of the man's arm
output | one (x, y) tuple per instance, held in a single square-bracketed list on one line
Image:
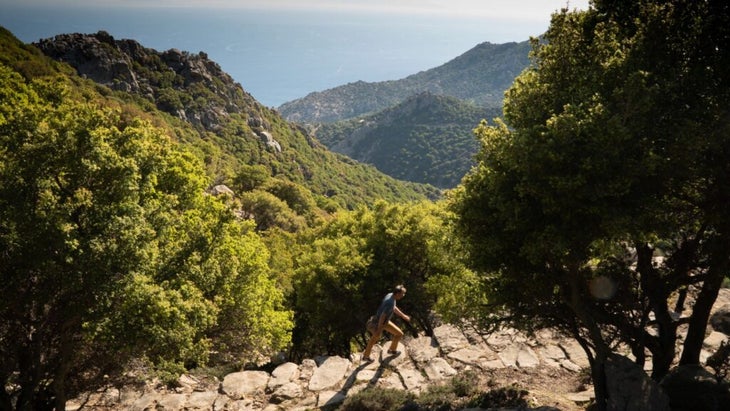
[(402, 315)]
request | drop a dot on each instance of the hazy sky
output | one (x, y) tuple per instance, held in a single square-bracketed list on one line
[(283, 49), (537, 10)]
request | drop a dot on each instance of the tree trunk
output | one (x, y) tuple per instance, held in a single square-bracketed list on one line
[(719, 262), (579, 306), (656, 290), (700, 317)]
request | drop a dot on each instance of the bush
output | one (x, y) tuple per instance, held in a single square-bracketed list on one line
[(500, 397), (377, 399), (462, 391)]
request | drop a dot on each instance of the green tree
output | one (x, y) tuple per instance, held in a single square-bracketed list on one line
[(269, 211), (615, 152), (109, 250), (358, 257)]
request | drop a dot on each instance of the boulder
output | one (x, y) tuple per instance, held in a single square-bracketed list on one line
[(692, 387), (630, 388), (240, 384), (720, 319), (283, 374), (329, 374)]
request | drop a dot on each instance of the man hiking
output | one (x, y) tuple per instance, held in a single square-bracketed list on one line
[(381, 321)]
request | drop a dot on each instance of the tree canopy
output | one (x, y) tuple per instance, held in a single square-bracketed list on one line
[(111, 250), (357, 258), (596, 205)]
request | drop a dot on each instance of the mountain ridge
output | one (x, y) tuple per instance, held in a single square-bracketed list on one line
[(480, 75)]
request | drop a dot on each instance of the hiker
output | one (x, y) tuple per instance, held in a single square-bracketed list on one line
[(381, 321)]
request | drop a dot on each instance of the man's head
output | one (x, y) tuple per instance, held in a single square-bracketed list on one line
[(399, 291)]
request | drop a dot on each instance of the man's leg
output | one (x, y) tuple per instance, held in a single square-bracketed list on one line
[(371, 342), (397, 335)]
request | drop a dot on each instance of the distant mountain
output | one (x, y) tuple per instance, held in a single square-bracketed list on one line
[(427, 138), (481, 75), (204, 109)]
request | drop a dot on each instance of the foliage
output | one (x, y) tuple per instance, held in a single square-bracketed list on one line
[(216, 119), (615, 152), (111, 250), (376, 399), (460, 392), (360, 256)]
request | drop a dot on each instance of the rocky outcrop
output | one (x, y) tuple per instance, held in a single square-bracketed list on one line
[(189, 86)]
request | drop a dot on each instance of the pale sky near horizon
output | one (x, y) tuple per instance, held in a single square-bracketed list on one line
[(285, 49), (538, 10)]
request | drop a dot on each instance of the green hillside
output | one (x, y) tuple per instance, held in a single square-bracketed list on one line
[(481, 75), (203, 108), (427, 138)]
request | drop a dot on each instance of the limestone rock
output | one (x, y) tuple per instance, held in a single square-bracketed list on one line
[(438, 369), (329, 398), (712, 342), (240, 384), (221, 189), (173, 402), (283, 374), (329, 374), (423, 349), (287, 391), (412, 378), (473, 356), (449, 338), (203, 400)]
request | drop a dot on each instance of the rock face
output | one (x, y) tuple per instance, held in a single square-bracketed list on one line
[(170, 79)]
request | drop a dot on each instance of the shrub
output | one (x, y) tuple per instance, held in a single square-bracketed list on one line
[(377, 399), (500, 397)]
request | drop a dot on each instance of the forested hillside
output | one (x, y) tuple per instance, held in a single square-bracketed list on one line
[(480, 76), (215, 117), (427, 138)]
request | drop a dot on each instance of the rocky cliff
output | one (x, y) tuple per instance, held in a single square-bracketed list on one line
[(173, 80)]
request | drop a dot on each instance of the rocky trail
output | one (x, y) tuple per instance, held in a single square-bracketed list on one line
[(551, 368)]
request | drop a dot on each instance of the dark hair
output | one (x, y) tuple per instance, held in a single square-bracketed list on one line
[(399, 289)]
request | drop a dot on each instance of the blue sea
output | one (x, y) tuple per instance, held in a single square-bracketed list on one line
[(279, 56)]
